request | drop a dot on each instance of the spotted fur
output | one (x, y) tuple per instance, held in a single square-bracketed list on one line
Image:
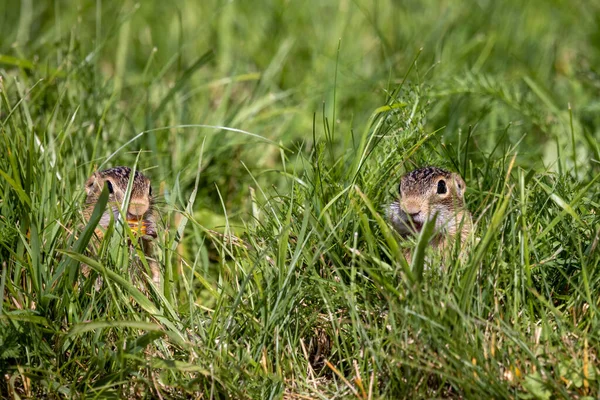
[(140, 210), (420, 180), (428, 193), (140, 202)]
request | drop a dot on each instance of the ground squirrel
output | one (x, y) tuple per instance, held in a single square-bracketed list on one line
[(140, 211), (428, 193)]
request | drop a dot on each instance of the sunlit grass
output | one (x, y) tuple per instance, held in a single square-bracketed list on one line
[(275, 135)]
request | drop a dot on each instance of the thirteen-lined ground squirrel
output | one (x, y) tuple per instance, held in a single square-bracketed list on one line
[(428, 193)]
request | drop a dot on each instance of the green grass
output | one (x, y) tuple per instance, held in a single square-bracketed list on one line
[(275, 133)]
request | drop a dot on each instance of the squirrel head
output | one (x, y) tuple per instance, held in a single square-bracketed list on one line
[(428, 193), (139, 213)]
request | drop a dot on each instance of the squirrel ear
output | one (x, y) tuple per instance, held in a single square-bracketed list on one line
[(460, 185)]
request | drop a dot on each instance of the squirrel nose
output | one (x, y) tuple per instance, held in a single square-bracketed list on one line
[(133, 217), (136, 211)]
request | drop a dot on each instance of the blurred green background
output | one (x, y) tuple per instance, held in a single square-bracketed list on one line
[(507, 70)]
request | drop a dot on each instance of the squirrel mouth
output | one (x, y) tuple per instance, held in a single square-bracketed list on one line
[(144, 228), (417, 226)]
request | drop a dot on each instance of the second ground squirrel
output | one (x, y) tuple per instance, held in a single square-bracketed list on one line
[(428, 193), (140, 214)]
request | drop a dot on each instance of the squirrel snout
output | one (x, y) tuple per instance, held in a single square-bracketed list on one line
[(137, 210), (414, 215), (411, 208)]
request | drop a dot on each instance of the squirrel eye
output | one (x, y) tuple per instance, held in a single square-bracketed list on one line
[(441, 188), (150, 191), (110, 187)]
